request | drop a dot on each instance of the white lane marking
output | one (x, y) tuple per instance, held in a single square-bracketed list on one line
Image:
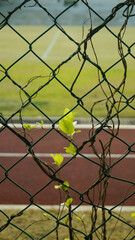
[(51, 45), (78, 126), (63, 154), (56, 207)]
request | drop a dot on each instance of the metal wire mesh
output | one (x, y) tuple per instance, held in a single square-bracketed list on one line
[(111, 98)]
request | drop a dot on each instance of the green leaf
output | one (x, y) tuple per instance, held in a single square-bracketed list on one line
[(66, 219), (57, 186), (70, 149), (46, 215), (68, 202), (78, 131), (66, 238), (69, 116), (65, 186), (133, 215), (79, 218), (29, 127), (66, 126), (42, 123), (58, 159)]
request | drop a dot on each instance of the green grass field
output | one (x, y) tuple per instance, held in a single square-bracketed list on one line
[(36, 225), (53, 98)]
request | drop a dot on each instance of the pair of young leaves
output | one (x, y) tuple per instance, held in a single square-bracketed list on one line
[(30, 127)]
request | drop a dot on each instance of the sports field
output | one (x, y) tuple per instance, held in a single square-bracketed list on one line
[(47, 52)]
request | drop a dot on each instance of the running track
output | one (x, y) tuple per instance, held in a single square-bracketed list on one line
[(80, 173)]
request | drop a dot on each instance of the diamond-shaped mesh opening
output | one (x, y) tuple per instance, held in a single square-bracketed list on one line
[(12, 103), (2, 178), (25, 16), (10, 38)]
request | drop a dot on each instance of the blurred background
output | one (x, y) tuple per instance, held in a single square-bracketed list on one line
[(77, 15)]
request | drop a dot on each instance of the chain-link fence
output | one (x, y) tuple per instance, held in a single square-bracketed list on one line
[(45, 71)]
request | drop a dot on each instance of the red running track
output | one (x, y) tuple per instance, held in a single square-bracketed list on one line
[(81, 172)]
